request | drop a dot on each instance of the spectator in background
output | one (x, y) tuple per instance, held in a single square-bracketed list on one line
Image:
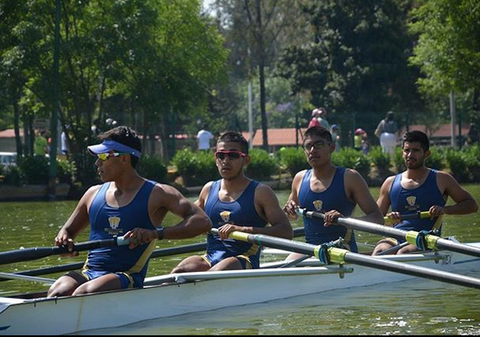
[(357, 139), (335, 137), (64, 142), (314, 121), (472, 135), (40, 145), (361, 141), (387, 132), (322, 118), (203, 138)]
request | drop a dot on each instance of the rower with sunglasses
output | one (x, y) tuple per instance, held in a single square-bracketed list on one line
[(127, 205), (334, 191), (236, 203)]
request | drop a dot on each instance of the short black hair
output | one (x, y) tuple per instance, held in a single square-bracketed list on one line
[(125, 136), (417, 137), (318, 131), (234, 137)]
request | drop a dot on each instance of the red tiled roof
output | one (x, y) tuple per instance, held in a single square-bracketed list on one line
[(443, 130), (9, 133), (276, 137)]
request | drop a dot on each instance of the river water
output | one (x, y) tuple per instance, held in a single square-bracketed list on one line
[(415, 307)]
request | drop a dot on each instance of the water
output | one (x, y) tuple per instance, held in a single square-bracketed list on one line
[(413, 307)]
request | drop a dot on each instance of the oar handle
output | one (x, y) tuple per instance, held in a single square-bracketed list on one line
[(35, 253), (417, 215)]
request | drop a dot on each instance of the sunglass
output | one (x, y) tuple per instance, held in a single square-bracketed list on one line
[(319, 144), (105, 156), (230, 154)]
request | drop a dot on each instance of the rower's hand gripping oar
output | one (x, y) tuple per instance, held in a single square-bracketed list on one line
[(35, 253), (421, 240), (417, 215), (342, 256)]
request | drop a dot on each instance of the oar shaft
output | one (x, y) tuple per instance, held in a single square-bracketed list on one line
[(413, 270), (396, 233), (156, 253), (355, 258), (13, 276), (35, 253)]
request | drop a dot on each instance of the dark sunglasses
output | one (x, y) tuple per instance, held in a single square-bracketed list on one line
[(317, 145), (230, 154)]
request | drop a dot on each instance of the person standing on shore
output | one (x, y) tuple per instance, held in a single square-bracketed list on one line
[(386, 131)]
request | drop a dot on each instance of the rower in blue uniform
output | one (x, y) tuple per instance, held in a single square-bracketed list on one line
[(236, 203), (334, 191), (419, 189), (124, 205)]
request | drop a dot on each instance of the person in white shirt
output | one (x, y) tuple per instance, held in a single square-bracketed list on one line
[(203, 138)]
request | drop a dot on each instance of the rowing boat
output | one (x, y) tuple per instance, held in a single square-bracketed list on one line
[(177, 294)]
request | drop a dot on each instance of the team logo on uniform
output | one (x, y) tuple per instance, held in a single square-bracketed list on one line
[(225, 216), (114, 222), (411, 201), (318, 205)]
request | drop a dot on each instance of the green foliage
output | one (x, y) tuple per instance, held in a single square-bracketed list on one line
[(261, 165), (196, 168), (12, 176), (447, 49), (152, 167), (436, 159), (464, 165), (66, 171), (398, 161), (351, 158), (34, 169), (379, 158), (293, 159)]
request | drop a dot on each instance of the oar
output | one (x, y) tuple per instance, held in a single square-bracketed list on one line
[(13, 276), (29, 254), (432, 241), (195, 247), (341, 256), (417, 215)]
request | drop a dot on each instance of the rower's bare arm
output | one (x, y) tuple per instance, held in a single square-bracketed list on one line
[(383, 200), (202, 198), (292, 202), (267, 205), (464, 201), (78, 220), (194, 220), (357, 188)]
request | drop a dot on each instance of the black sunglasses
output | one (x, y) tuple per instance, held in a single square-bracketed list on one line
[(230, 154)]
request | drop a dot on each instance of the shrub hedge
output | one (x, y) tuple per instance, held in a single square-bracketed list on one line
[(198, 167)]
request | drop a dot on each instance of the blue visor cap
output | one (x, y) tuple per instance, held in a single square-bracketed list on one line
[(109, 145)]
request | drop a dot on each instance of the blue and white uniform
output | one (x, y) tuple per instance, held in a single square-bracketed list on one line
[(421, 198), (240, 212), (333, 198), (106, 222)]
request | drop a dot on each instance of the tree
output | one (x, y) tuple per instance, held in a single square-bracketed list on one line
[(142, 62), (448, 49), (255, 31), (355, 61)]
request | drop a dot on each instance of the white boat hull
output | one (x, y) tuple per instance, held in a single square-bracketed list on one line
[(201, 292)]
